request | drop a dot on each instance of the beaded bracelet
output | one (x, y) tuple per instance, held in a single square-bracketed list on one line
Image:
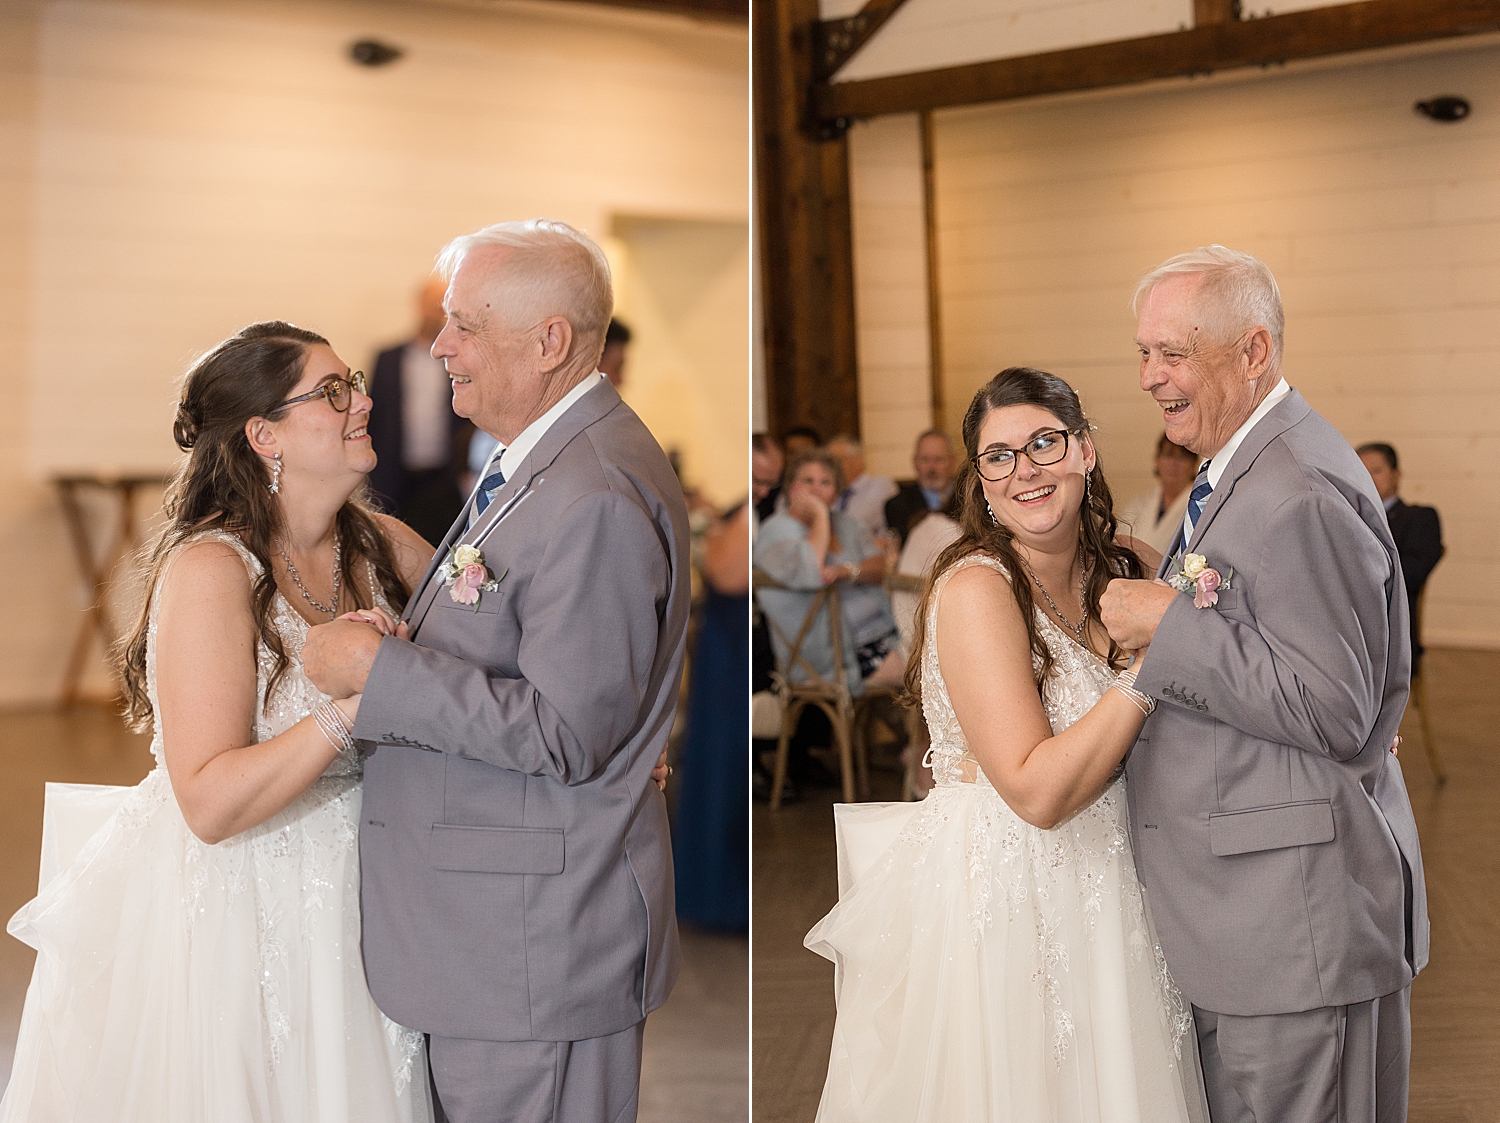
[(1125, 684), (330, 720)]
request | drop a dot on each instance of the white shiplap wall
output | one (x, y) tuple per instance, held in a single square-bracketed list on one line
[(890, 290), (1382, 227), (182, 167)]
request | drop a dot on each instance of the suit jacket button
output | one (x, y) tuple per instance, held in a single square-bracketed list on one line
[(1202, 709)]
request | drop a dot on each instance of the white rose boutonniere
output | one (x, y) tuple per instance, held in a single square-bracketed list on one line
[(1191, 573), (466, 576)]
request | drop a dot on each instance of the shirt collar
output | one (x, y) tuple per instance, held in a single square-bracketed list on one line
[(512, 456), (1222, 458)]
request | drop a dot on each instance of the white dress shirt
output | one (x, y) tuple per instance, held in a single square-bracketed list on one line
[(1222, 458), (512, 456)]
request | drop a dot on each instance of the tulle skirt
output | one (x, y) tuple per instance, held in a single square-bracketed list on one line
[(991, 972), (178, 982)]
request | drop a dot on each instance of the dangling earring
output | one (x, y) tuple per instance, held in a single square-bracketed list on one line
[(1088, 486), (276, 474), (991, 510)]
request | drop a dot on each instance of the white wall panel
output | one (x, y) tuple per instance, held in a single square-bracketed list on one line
[(1382, 227), (173, 169), (890, 290)]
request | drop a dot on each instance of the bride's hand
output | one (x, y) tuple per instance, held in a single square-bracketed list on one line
[(661, 771), (379, 619)]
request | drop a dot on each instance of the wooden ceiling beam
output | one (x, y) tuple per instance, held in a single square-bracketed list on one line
[(1209, 47)]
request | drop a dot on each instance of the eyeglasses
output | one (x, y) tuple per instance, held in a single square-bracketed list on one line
[(336, 390), (997, 464)]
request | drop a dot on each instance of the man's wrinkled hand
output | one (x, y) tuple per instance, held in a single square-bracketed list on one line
[(338, 655), (1131, 610)]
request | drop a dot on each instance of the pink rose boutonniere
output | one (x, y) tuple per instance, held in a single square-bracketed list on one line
[(464, 573), (1191, 573)]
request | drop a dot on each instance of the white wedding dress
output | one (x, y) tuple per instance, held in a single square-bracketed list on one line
[(178, 982), (993, 972)]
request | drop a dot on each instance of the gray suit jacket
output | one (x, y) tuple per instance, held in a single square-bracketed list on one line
[(1271, 825), (516, 863)]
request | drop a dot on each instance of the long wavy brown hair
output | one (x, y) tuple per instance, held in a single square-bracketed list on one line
[(1103, 559), (224, 485)]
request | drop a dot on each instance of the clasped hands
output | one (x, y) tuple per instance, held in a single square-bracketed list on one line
[(338, 655), (1132, 610)]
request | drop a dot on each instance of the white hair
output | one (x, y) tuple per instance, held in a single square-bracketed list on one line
[(1238, 290), (551, 265), (847, 443)]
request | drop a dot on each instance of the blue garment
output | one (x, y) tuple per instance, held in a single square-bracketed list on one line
[(783, 552), (711, 834)]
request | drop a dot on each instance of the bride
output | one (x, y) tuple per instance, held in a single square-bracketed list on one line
[(199, 959), (996, 960)]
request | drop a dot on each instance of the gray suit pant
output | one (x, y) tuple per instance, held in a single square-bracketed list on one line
[(593, 1081), (1336, 1064)]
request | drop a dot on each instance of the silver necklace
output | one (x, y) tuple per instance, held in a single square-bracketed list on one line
[(338, 573), (1082, 599)]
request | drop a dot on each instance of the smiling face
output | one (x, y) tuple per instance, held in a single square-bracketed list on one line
[(1039, 505), (1206, 389), (933, 463), (320, 445), (498, 381)]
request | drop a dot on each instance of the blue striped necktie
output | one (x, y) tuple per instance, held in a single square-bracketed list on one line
[(487, 487), (1202, 489)]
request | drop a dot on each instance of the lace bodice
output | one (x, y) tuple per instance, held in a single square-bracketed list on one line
[(1079, 678), (294, 697)]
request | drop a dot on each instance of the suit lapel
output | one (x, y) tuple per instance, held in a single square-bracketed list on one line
[(593, 406), (1287, 412)]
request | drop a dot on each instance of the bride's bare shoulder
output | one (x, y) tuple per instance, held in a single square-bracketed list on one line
[(209, 578), (973, 586)]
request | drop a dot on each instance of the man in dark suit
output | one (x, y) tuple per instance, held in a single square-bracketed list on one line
[(935, 466), (1417, 530), (413, 428)]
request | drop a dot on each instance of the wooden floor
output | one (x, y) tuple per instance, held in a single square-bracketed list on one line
[(695, 1064), (1455, 1075)]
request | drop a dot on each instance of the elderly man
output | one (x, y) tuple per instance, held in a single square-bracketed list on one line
[(864, 496), (1271, 824), (517, 873), (935, 466)]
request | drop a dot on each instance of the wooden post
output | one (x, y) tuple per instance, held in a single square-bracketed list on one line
[(934, 292), (806, 241)]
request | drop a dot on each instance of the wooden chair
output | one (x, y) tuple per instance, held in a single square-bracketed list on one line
[(831, 694), (1418, 700)]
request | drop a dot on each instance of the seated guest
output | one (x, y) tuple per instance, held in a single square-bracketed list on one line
[(800, 438), (811, 545), (929, 536), (1155, 516), (935, 466), (862, 496), (1417, 530), (766, 465)]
